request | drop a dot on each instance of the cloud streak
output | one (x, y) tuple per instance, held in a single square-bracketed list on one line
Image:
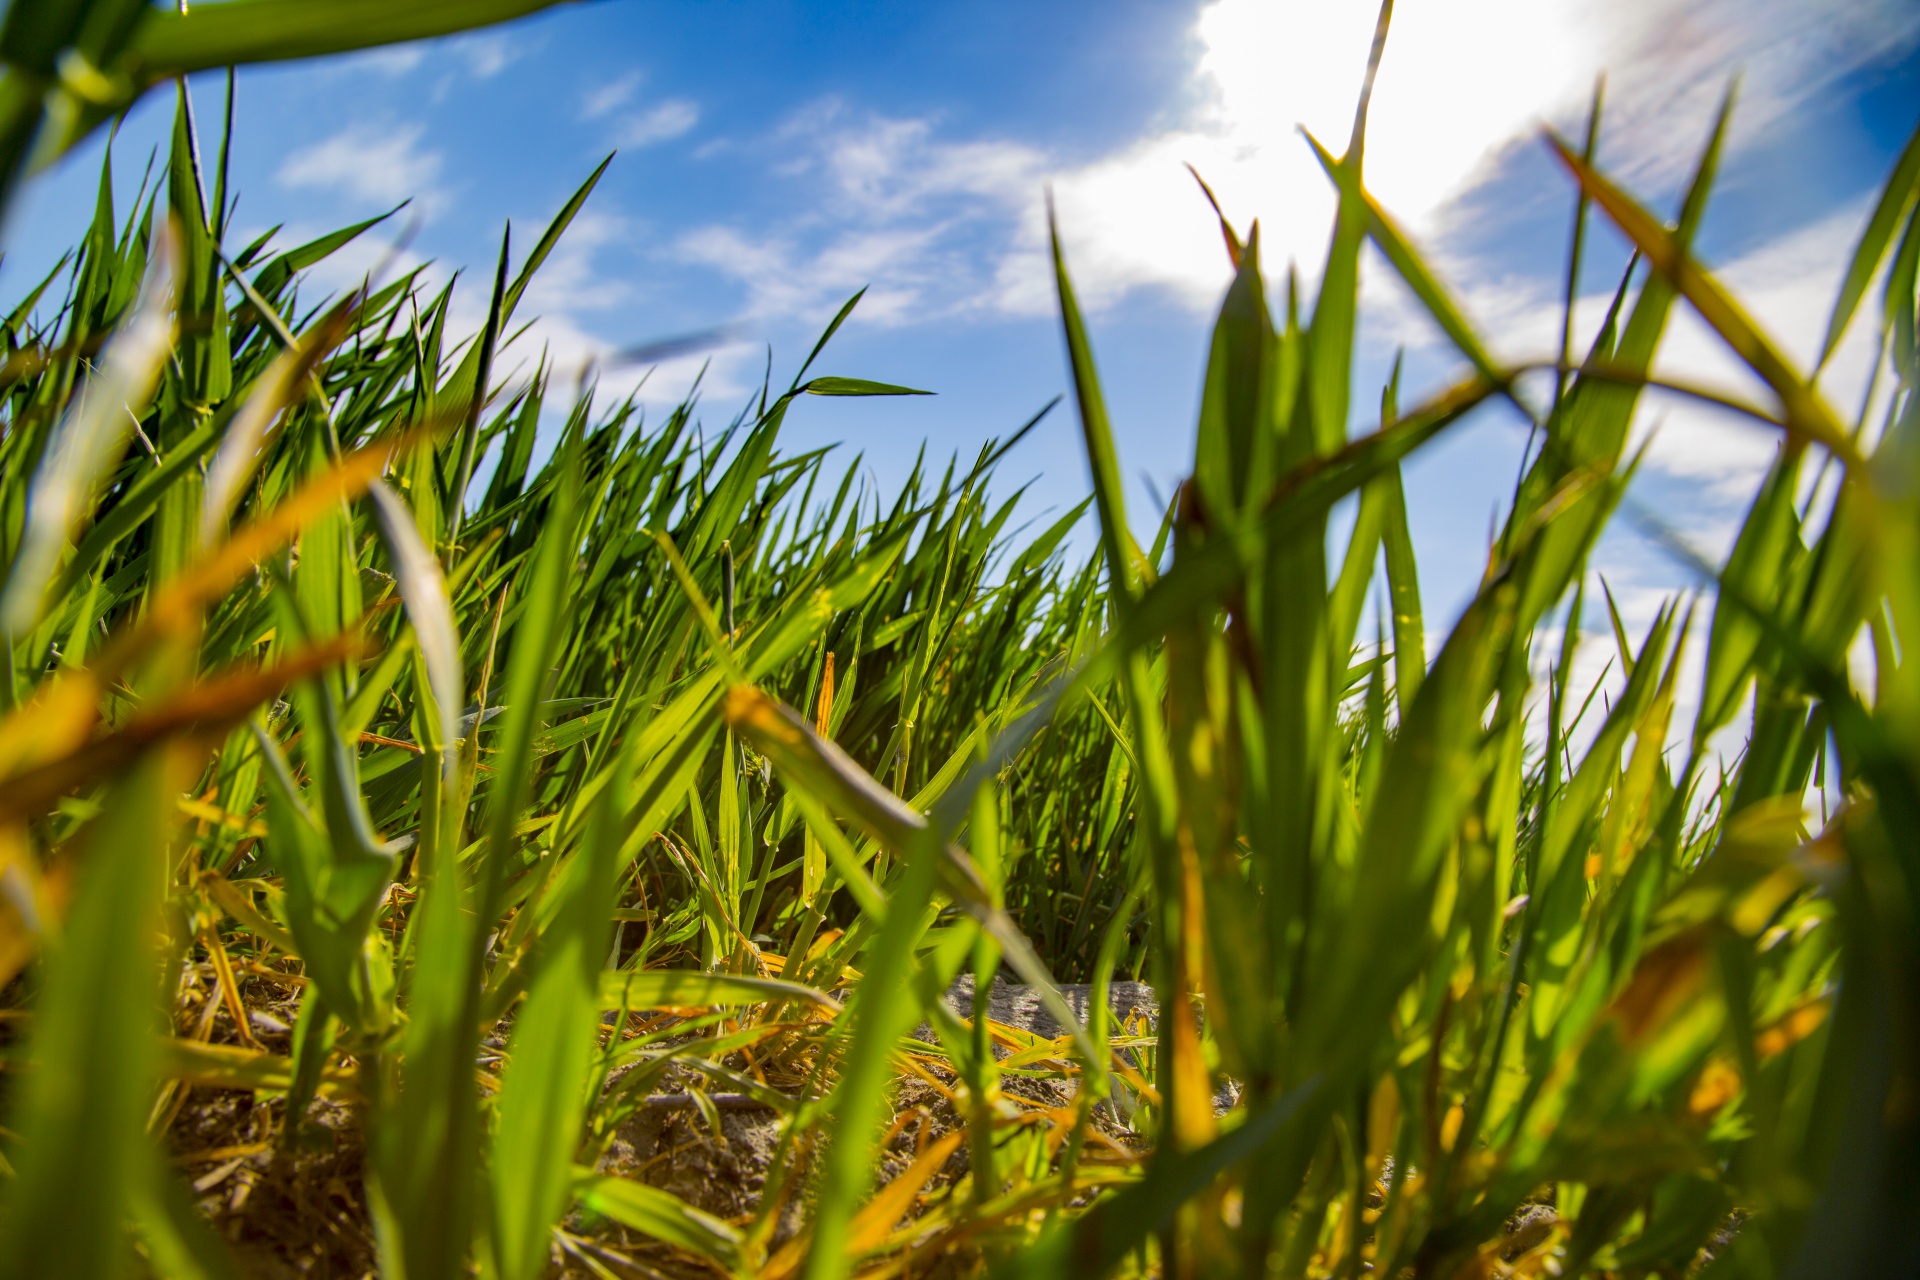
[(610, 97), (659, 123), (368, 163)]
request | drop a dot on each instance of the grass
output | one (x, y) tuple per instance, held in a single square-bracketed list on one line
[(394, 827)]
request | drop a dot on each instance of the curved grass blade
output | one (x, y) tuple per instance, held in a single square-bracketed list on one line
[(169, 44), (1807, 414), (662, 1215)]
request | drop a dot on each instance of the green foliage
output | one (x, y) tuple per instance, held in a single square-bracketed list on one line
[(323, 671)]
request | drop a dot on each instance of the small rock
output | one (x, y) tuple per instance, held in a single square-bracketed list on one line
[(1527, 1228), (1014, 1005)]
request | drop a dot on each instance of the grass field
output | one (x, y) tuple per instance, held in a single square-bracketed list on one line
[(434, 843)]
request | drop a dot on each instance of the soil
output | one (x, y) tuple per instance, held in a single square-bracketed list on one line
[(298, 1211)]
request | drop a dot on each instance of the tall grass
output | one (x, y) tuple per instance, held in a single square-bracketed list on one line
[(542, 771)]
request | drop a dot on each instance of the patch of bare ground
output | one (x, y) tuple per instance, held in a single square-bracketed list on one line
[(296, 1209)]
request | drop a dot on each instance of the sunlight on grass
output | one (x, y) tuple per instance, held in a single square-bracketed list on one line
[(423, 850)]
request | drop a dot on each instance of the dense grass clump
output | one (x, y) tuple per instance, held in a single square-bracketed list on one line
[(435, 841)]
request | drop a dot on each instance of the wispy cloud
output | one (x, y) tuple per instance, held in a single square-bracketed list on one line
[(1670, 60), (611, 96), (1461, 84), (659, 123), (487, 55), (787, 277), (395, 60), (368, 163), (888, 205), (573, 278)]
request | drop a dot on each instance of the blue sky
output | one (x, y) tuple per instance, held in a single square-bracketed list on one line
[(776, 156)]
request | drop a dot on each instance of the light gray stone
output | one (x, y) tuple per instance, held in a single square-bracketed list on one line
[(1014, 1005)]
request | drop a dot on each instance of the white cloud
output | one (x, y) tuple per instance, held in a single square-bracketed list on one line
[(488, 55), (1787, 285), (1458, 80), (368, 163), (889, 169), (658, 123), (1462, 81), (1670, 60), (610, 96), (571, 279), (784, 278), (395, 60), (893, 208)]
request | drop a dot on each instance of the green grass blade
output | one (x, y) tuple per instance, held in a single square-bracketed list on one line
[(1896, 198), (83, 1112), (662, 1215), (561, 220), (169, 44), (423, 590), (1124, 562), (856, 387), (1808, 416), (1102, 1238), (691, 988), (1409, 264), (543, 1094), (1403, 593)]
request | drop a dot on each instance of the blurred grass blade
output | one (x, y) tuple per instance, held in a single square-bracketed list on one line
[(1896, 199), (209, 708), (82, 1116), (169, 44), (1807, 413), (423, 589), (1403, 587), (661, 1215), (179, 1243), (87, 444), (883, 1013), (691, 988), (1101, 1239)]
